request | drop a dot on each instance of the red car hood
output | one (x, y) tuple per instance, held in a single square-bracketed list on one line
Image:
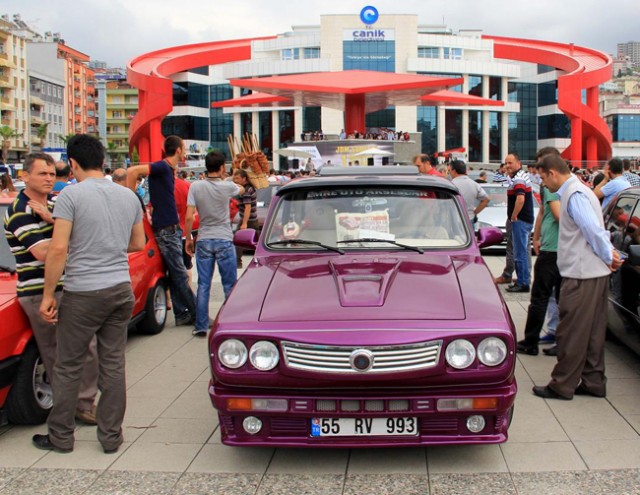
[(356, 288), (7, 286)]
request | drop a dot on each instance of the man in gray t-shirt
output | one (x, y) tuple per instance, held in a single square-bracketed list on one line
[(215, 238), (97, 223), (475, 198)]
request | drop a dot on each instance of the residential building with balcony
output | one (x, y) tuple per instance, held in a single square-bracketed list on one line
[(620, 107), (46, 101), (14, 92)]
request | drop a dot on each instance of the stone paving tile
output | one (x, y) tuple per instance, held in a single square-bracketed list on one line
[(133, 483), (386, 484), (557, 483), (619, 482), (279, 484), (218, 484), (472, 484), (7, 475), (51, 482)]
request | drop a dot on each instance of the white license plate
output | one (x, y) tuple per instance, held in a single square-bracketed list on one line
[(354, 427)]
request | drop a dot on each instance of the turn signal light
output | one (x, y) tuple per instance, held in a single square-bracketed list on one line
[(467, 404), (239, 404), (247, 404)]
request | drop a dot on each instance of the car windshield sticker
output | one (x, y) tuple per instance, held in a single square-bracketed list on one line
[(374, 224)]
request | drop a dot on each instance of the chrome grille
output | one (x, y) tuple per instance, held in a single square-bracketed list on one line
[(386, 359)]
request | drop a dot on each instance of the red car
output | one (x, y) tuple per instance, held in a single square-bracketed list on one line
[(25, 393)]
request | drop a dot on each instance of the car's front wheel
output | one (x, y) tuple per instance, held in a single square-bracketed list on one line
[(30, 398), (155, 310)]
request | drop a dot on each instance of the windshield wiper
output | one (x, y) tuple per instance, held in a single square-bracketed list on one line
[(375, 239), (304, 241)]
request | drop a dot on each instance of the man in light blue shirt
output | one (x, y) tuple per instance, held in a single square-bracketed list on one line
[(614, 181)]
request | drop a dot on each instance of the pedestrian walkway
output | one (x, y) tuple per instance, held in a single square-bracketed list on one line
[(583, 446)]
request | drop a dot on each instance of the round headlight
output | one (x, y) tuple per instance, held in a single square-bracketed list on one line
[(232, 353), (460, 354), (492, 351), (264, 355)]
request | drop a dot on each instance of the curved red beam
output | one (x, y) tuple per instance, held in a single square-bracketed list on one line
[(586, 69), (150, 74)]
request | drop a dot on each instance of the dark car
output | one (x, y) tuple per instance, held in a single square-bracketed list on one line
[(622, 220), (25, 393), (366, 318)]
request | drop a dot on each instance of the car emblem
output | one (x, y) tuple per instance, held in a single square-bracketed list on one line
[(361, 360)]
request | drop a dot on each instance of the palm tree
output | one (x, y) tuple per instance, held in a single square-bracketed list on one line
[(7, 133), (111, 151), (65, 138), (41, 132)]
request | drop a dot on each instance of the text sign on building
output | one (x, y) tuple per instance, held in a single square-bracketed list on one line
[(368, 35)]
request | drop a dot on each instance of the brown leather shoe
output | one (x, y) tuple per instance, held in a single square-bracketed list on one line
[(502, 280), (87, 417)]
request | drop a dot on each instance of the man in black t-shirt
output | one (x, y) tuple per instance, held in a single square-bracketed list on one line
[(166, 225)]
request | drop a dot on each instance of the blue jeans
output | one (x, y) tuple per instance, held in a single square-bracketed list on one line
[(208, 252), (520, 237), (170, 245)]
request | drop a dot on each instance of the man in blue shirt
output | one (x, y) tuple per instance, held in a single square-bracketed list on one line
[(614, 181), (166, 225)]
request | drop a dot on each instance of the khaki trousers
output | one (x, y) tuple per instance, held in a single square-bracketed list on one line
[(45, 335), (581, 336), (104, 314)]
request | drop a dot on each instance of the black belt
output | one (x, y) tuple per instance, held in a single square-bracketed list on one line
[(169, 229)]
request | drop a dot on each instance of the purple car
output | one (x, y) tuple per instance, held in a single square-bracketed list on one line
[(367, 318)]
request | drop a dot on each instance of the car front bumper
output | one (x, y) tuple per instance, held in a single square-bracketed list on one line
[(292, 427)]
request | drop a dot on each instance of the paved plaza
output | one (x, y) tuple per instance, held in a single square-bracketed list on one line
[(172, 442)]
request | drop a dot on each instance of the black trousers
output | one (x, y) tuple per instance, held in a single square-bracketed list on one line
[(546, 277)]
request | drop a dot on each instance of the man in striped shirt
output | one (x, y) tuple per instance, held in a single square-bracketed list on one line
[(28, 226)]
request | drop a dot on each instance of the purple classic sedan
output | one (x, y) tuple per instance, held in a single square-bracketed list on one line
[(366, 318)]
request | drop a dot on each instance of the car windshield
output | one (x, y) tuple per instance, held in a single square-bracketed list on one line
[(7, 259), (412, 217), (497, 196)]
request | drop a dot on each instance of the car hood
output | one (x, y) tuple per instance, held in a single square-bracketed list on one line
[(356, 287)]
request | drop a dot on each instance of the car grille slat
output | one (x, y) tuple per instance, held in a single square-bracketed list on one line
[(386, 359)]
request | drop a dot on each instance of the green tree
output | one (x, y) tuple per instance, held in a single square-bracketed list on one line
[(7, 134), (135, 156), (65, 138), (41, 132), (111, 151)]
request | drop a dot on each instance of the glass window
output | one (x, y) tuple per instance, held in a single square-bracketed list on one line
[(523, 126), (624, 127), (428, 126), (554, 126), (495, 131), (475, 85), (475, 136), (453, 129), (428, 52), (312, 52), (415, 217), (548, 93), (370, 55), (290, 54), (190, 93), (618, 224), (452, 53)]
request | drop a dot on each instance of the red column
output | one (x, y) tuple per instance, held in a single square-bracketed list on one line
[(576, 142), (354, 116), (156, 139), (592, 142)]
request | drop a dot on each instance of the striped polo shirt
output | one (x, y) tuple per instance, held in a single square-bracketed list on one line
[(24, 229), (520, 185)]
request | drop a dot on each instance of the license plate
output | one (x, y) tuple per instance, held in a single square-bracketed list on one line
[(354, 427)]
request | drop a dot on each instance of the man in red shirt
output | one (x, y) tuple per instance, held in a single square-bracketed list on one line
[(424, 165), (180, 192)]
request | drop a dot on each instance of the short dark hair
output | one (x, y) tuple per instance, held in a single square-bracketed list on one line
[(32, 157), (515, 155), (423, 157), (87, 151), (172, 144), (554, 162), (547, 150), (615, 165), (626, 164), (63, 171), (107, 170), (214, 161), (242, 173), (458, 166)]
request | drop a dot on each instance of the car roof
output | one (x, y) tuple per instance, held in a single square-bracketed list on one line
[(420, 181)]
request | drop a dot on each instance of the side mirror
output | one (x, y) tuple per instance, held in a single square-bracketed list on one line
[(634, 255), (489, 236), (246, 238)]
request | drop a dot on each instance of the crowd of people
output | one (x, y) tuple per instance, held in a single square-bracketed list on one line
[(75, 222)]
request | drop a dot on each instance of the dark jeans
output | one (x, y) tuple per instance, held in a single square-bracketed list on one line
[(170, 245), (509, 266), (546, 277), (104, 314)]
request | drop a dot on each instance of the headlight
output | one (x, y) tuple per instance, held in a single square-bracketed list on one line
[(264, 355), (460, 354), (232, 353), (492, 351)]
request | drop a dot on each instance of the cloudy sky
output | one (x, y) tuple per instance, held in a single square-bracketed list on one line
[(115, 31)]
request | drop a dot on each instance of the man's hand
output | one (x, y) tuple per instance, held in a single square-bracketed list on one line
[(41, 210), (48, 309), (188, 247), (536, 246), (617, 260)]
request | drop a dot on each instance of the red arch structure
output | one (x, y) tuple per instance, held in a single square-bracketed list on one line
[(586, 69)]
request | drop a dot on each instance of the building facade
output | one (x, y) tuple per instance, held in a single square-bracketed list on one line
[(620, 107), (630, 49), (14, 90), (46, 99)]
